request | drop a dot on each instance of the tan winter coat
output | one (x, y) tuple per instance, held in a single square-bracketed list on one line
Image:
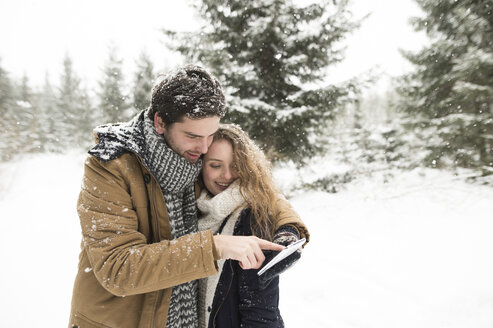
[(128, 262)]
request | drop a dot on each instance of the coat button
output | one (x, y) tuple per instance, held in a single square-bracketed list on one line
[(209, 309), (147, 178)]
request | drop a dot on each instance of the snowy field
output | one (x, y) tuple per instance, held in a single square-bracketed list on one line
[(414, 251)]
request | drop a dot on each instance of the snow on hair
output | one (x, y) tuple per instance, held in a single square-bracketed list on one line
[(188, 91)]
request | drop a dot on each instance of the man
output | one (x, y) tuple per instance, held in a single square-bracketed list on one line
[(141, 252)]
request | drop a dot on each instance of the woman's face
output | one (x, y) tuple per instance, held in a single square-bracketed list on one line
[(218, 169)]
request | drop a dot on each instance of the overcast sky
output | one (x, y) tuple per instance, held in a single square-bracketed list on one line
[(35, 35)]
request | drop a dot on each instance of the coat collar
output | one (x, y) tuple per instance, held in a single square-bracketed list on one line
[(115, 139)]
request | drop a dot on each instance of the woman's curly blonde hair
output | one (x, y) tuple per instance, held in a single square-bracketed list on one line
[(255, 174)]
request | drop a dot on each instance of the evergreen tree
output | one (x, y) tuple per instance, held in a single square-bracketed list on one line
[(29, 126), (87, 121), (48, 114), (272, 58), (112, 98), (6, 92), (70, 108), (8, 120), (19, 118), (450, 93), (143, 82)]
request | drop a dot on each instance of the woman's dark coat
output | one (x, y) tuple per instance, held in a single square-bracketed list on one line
[(240, 299)]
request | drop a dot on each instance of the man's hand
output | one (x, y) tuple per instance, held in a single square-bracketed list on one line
[(245, 249)]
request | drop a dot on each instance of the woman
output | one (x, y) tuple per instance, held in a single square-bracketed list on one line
[(240, 198)]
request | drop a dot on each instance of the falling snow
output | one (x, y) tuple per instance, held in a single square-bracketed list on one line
[(412, 251)]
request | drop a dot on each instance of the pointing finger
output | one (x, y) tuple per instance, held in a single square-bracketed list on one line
[(267, 245)]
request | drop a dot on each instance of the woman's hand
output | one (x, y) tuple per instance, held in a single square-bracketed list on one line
[(285, 236)]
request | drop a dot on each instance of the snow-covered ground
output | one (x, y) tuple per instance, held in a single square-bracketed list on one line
[(411, 251)]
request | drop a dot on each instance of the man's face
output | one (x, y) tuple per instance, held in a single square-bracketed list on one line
[(189, 138)]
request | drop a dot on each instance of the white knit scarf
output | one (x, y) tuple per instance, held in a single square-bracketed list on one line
[(213, 211)]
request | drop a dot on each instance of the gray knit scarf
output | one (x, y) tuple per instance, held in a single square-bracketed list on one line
[(176, 177)]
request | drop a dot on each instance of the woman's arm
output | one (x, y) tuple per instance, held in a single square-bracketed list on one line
[(288, 217), (285, 235)]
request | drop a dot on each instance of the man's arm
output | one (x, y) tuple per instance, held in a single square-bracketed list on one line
[(121, 259), (245, 249)]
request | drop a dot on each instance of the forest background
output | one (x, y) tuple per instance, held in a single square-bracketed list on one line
[(385, 154), (276, 61)]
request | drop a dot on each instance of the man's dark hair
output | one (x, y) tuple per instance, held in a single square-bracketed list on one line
[(190, 91)]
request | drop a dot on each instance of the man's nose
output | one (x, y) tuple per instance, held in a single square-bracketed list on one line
[(203, 146)]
